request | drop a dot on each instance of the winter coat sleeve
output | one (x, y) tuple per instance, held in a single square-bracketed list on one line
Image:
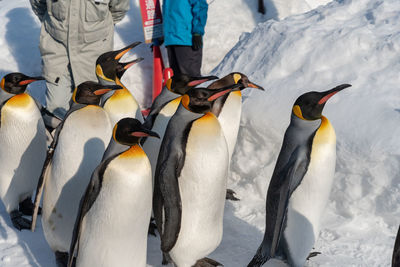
[(39, 7), (118, 9), (199, 12)]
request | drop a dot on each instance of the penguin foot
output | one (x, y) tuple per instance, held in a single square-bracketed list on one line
[(230, 195), (207, 262), (27, 207), (18, 221), (61, 259), (166, 258), (152, 229), (313, 254)]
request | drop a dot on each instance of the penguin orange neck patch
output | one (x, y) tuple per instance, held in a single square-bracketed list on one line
[(236, 77), (2, 83), (297, 112), (168, 84), (185, 101), (99, 72), (133, 152), (74, 94)]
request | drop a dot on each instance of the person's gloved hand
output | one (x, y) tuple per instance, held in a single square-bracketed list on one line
[(197, 41)]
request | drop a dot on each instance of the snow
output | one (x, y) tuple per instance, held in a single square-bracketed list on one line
[(298, 46)]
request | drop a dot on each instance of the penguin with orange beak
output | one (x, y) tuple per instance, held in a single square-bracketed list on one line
[(301, 183), (78, 147), (109, 70), (23, 147)]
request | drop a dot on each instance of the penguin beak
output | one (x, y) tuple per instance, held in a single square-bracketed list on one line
[(253, 85), (223, 91), (145, 132), (328, 94), (30, 80), (125, 50), (200, 80), (127, 65), (106, 88)]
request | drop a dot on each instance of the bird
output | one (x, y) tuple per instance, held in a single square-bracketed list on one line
[(23, 147), (111, 226), (190, 180), (301, 182), (78, 146), (228, 110), (162, 109), (109, 70)]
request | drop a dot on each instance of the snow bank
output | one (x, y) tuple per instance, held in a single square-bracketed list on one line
[(354, 42)]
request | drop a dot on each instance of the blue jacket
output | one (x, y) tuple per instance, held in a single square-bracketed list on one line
[(181, 19)]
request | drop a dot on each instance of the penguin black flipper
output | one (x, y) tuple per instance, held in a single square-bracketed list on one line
[(167, 196), (278, 196), (170, 201), (90, 196)]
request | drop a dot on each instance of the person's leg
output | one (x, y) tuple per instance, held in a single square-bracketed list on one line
[(183, 59), (173, 62), (188, 60), (58, 95)]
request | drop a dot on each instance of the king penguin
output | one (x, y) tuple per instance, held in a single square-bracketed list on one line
[(121, 103), (228, 110), (162, 109), (301, 183), (190, 180), (78, 146), (111, 227), (23, 147)]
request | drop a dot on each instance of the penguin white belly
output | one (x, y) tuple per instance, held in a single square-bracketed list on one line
[(114, 231), (80, 148), (23, 149), (202, 187), (152, 145), (121, 105), (229, 118), (309, 199)]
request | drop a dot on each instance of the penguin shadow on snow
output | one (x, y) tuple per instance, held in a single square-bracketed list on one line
[(70, 187), (241, 240), (22, 37)]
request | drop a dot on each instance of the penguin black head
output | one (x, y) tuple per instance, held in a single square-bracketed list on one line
[(200, 100), (181, 83), (234, 78), (108, 66), (89, 93), (128, 131), (309, 106), (16, 83)]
